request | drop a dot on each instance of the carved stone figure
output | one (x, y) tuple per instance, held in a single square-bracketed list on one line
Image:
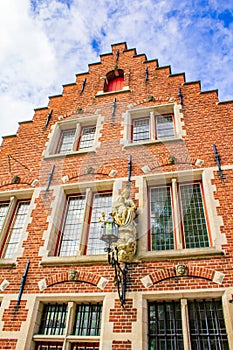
[(72, 275), (181, 270), (124, 212)]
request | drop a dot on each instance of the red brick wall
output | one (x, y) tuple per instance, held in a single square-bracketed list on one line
[(14, 316), (206, 122), (122, 318), (8, 344)]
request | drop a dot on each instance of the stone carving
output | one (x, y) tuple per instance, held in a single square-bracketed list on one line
[(124, 212), (72, 275), (181, 270)]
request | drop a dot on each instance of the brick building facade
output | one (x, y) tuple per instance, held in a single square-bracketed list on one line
[(69, 164)]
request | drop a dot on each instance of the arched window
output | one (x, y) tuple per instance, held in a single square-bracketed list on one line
[(114, 80)]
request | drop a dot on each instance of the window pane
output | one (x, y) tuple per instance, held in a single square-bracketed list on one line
[(16, 229), (53, 320), (115, 84), (165, 126), (3, 211), (194, 223), (87, 137), (102, 203), (141, 129), (48, 346), (71, 230), (85, 346), (66, 141), (161, 223), (207, 327), (165, 326), (88, 320)]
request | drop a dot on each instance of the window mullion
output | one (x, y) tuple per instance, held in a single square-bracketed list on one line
[(86, 216), (185, 324), (69, 324), (6, 223), (176, 213), (152, 127), (77, 136)]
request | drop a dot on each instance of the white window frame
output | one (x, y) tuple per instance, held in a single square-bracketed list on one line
[(67, 338), (183, 297), (78, 124), (214, 225), (14, 198), (177, 213), (51, 236), (170, 109)]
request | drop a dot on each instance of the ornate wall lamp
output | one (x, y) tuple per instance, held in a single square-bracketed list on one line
[(109, 234), (118, 231)]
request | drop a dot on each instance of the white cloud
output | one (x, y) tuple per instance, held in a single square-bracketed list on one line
[(45, 42)]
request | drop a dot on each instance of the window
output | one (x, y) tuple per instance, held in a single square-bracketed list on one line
[(70, 323), (202, 319), (67, 140), (74, 136), (114, 80), (141, 130), (13, 216), (177, 221), (153, 127), (155, 124), (3, 212), (75, 233), (87, 137)]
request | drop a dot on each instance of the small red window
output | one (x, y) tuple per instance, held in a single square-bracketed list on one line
[(115, 84), (114, 80)]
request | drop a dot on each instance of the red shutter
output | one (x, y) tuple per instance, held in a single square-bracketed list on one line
[(115, 84)]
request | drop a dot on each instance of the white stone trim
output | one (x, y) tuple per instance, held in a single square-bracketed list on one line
[(78, 123), (152, 111)]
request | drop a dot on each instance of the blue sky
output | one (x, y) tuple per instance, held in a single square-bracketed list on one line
[(44, 43)]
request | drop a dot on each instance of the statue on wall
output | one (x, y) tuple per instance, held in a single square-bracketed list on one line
[(124, 213)]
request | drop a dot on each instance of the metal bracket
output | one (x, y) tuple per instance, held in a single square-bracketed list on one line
[(22, 284), (218, 162)]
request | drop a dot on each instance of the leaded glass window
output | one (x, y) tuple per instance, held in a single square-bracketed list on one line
[(66, 141), (87, 137), (102, 202), (16, 229), (3, 212), (141, 130), (153, 127), (165, 126), (161, 219), (193, 216), (71, 230), (190, 225)]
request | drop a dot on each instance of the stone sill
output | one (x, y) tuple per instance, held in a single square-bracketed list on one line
[(102, 93), (181, 254), (5, 263), (153, 142), (73, 260), (88, 339), (63, 155), (70, 338), (41, 337)]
